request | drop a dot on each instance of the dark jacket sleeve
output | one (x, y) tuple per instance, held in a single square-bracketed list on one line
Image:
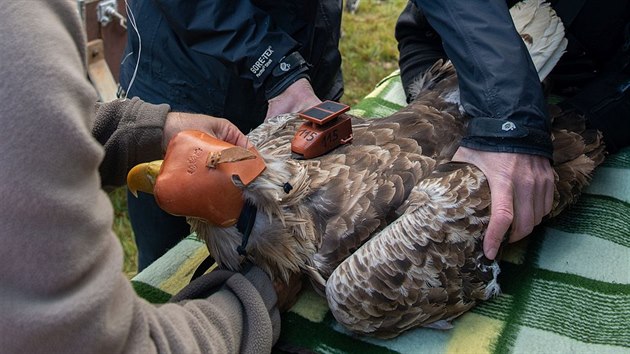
[(233, 31), (131, 132), (499, 86), (419, 46)]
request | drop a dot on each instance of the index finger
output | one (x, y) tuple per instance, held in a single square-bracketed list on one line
[(501, 216)]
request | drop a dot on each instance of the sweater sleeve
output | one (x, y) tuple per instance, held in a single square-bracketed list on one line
[(131, 132), (499, 86), (62, 288)]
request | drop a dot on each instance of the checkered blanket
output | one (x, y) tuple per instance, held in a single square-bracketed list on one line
[(566, 287)]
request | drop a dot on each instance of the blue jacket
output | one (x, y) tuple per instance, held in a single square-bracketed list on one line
[(215, 56), (497, 78)]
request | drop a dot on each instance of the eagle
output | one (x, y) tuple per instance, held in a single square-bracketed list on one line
[(387, 227)]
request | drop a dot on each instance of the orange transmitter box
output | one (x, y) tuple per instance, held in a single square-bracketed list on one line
[(326, 128)]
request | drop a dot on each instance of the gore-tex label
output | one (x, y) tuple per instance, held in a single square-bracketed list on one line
[(262, 63)]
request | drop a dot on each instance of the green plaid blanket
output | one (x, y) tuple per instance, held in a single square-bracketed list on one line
[(566, 288)]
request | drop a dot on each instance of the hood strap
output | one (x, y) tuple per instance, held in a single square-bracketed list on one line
[(245, 224)]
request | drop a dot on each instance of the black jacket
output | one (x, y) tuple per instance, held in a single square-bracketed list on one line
[(215, 56), (498, 81), (593, 76)]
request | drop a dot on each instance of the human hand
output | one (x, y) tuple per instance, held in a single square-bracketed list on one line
[(218, 127), (522, 189), (297, 97)]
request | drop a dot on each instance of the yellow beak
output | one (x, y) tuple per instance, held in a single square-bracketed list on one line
[(142, 177)]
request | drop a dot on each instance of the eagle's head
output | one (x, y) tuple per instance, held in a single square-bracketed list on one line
[(200, 176), (243, 206)]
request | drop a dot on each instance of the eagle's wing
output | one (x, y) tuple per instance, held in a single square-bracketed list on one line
[(357, 187), (577, 151), (424, 267), (428, 265)]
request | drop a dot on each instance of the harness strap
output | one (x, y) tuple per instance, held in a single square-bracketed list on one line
[(244, 225)]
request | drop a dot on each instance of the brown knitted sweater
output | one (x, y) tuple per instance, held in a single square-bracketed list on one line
[(61, 285)]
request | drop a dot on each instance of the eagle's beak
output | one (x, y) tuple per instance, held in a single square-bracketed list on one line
[(142, 177)]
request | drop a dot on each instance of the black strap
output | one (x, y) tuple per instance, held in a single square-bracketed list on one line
[(289, 70), (203, 267), (245, 224)]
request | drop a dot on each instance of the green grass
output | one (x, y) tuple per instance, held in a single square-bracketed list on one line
[(368, 47), (122, 228), (369, 53)]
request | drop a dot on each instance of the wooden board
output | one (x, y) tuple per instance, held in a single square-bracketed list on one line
[(99, 72), (113, 35)]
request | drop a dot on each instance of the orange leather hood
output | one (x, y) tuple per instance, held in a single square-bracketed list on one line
[(187, 186)]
